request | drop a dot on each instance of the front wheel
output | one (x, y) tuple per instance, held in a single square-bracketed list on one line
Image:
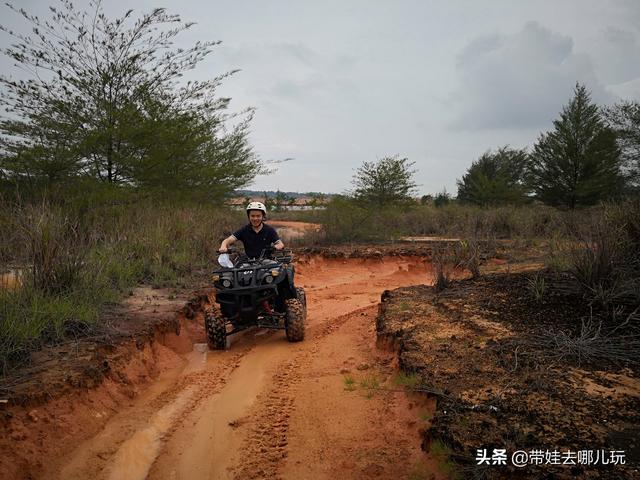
[(302, 297), (215, 324), (294, 319)]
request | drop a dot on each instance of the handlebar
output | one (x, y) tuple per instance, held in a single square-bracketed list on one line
[(269, 251)]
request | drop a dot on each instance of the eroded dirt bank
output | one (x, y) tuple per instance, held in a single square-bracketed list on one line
[(327, 407), (478, 348)]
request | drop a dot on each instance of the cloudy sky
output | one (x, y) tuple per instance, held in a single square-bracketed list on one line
[(339, 82)]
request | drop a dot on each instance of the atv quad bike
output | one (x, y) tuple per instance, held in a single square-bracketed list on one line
[(256, 292)]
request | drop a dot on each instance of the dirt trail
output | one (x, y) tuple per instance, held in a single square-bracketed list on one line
[(289, 230), (267, 408)]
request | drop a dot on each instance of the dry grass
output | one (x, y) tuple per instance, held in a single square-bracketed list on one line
[(77, 260)]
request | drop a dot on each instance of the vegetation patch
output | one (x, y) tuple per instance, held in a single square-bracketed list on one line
[(530, 359)]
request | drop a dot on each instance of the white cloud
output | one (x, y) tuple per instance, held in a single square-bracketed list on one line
[(616, 55), (520, 80)]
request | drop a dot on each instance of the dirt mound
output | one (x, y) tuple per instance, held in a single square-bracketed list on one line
[(462, 342)]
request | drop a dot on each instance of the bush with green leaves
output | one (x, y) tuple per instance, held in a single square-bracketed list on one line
[(496, 178), (605, 259), (388, 181)]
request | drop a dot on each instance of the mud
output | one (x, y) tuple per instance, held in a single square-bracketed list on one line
[(168, 408)]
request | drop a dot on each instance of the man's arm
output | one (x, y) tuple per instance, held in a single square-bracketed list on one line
[(227, 242), (275, 240)]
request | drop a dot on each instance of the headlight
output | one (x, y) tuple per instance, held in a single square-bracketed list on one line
[(275, 272), (226, 283), (268, 279)]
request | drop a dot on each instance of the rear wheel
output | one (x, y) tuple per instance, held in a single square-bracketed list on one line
[(294, 319), (215, 324)]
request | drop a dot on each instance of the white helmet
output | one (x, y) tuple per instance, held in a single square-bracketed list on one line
[(257, 206)]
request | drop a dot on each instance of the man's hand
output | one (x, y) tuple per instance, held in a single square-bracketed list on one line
[(226, 243), (278, 245)]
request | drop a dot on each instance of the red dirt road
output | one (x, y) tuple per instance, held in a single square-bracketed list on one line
[(323, 408)]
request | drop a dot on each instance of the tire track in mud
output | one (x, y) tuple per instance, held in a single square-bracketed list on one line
[(265, 445), (122, 450)]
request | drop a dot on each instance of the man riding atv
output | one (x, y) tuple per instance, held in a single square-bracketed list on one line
[(256, 288), (256, 235)]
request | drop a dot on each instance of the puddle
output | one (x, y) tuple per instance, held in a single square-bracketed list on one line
[(200, 347), (135, 456), (196, 359)]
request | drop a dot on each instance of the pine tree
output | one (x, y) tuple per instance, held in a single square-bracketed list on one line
[(578, 163)]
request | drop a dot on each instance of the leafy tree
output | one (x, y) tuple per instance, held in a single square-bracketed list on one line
[(267, 201), (281, 200), (317, 200), (105, 100), (442, 199), (426, 199), (578, 163), (624, 119), (388, 181), (495, 178)]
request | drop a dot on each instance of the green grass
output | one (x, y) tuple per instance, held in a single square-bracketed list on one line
[(349, 383), (347, 221), (30, 318), (370, 382), (419, 472), (408, 380), (425, 415), (442, 453)]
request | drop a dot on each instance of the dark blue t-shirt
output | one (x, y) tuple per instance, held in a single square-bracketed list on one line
[(254, 242)]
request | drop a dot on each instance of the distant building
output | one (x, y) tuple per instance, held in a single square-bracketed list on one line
[(299, 203), (237, 203)]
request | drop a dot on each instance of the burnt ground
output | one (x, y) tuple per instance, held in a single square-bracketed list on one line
[(478, 348)]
